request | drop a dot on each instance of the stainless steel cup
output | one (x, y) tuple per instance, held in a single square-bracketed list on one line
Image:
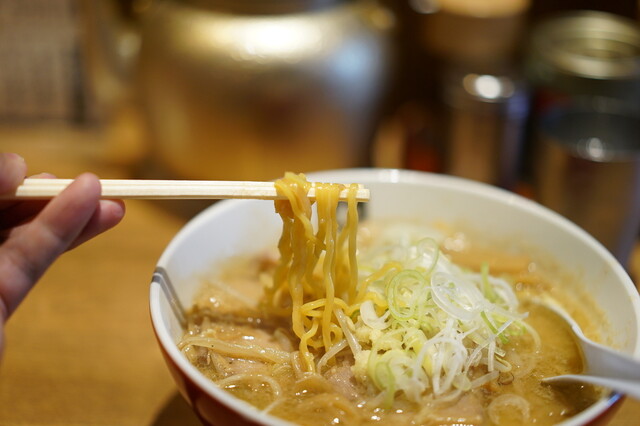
[(584, 67), (485, 116), (587, 167)]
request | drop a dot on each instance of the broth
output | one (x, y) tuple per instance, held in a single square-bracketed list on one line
[(229, 315)]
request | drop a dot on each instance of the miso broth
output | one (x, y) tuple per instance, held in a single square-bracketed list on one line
[(240, 345)]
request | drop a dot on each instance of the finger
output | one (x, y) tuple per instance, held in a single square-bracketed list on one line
[(20, 213), (43, 176), (15, 213), (13, 169), (12, 172), (108, 214), (31, 248)]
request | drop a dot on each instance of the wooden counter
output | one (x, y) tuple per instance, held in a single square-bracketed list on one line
[(80, 349)]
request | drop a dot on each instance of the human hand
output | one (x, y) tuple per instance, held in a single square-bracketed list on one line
[(34, 233)]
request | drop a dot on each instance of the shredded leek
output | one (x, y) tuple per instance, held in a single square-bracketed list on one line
[(438, 329)]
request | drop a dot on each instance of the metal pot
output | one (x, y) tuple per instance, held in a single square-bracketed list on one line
[(247, 90)]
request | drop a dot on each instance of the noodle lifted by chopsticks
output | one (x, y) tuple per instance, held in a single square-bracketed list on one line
[(316, 278)]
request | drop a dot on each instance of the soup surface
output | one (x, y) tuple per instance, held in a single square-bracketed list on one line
[(401, 368)]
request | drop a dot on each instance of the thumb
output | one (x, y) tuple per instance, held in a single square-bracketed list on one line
[(13, 169)]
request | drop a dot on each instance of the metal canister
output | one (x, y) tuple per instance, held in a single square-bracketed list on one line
[(247, 90), (481, 98), (471, 31), (585, 68), (575, 56), (485, 115)]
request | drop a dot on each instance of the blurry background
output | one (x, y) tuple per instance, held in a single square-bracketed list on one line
[(150, 77), (220, 89), (539, 97), (373, 83)]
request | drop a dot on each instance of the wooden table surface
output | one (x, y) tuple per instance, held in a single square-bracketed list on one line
[(80, 349)]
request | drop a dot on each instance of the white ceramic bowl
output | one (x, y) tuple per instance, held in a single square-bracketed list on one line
[(246, 226)]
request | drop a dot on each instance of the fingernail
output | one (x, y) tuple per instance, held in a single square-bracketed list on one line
[(43, 176), (12, 157)]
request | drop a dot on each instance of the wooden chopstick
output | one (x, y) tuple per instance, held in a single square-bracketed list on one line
[(164, 189)]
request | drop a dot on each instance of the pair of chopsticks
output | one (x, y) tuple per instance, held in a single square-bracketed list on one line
[(35, 189)]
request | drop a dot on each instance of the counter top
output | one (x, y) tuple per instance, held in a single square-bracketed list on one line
[(80, 349)]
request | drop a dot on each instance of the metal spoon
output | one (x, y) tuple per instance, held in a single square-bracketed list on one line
[(603, 365)]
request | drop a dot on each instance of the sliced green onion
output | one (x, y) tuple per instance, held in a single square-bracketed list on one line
[(442, 323)]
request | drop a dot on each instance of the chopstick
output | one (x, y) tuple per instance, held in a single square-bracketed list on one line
[(165, 189)]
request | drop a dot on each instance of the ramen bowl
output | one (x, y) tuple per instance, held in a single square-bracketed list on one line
[(235, 227)]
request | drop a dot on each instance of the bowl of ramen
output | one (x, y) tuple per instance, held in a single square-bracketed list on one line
[(421, 306)]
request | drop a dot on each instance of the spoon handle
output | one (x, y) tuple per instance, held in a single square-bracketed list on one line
[(627, 386), (605, 362), (604, 366), (608, 368)]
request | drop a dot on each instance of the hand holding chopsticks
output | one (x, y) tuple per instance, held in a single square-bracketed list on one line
[(33, 235), (163, 189)]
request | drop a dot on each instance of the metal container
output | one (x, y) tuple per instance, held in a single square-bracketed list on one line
[(586, 70), (585, 54), (247, 90), (588, 169), (481, 97), (471, 31), (485, 117)]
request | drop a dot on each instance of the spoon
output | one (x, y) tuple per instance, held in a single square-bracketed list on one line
[(603, 365)]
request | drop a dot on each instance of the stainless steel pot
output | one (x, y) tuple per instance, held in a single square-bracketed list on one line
[(247, 90)]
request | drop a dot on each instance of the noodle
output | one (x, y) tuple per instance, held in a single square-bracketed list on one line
[(237, 351), (259, 378), (317, 274), (396, 332), (346, 411)]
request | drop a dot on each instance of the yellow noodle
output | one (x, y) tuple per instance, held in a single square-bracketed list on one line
[(325, 401), (319, 303), (375, 276), (317, 272), (244, 379), (307, 357), (237, 351)]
